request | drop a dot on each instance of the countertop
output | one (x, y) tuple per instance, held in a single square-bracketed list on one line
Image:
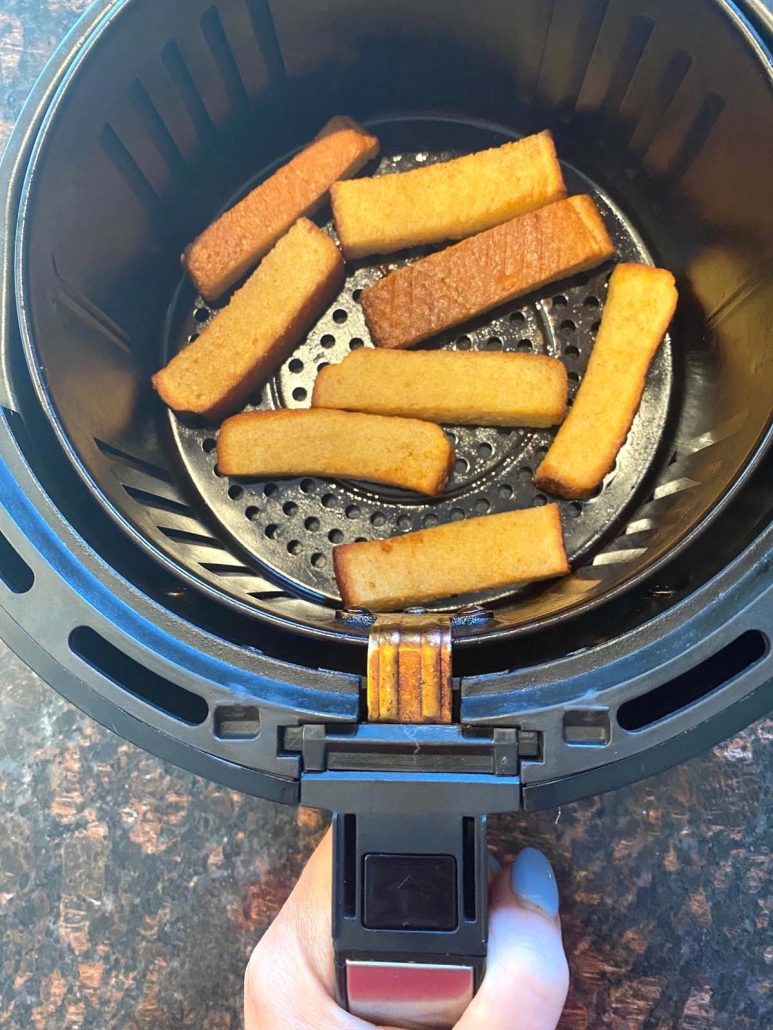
[(132, 893)]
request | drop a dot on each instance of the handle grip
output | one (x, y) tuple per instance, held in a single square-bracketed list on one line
[(410, 915)]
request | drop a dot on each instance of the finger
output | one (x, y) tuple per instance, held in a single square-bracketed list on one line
[(527, 976), (289, 982), (494, 868)]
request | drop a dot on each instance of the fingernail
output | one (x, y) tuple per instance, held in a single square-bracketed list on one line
[(493, 865), (535, 882)]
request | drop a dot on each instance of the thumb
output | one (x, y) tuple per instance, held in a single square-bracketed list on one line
[(527, 975)]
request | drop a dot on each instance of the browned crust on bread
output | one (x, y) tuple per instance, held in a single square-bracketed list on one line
[(236, 241), (258, 328), (473, 276), (638, 310), (483, 389), (336, 444), (485, 553), (585, 207), (446, 201)]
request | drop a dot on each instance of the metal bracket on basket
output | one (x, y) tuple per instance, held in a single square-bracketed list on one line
[(409, 663), (409, 669)]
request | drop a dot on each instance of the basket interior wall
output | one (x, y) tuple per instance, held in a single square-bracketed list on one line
[(666, 106)]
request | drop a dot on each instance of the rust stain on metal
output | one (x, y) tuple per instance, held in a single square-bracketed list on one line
[(408, 688), (409, 670)]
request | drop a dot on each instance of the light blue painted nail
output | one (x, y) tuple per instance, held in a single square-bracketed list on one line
[(534, 881)]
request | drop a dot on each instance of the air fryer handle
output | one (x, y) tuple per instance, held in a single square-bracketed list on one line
[(410, 915)]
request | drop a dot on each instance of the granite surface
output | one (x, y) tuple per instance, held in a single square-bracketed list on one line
[(131, 893)]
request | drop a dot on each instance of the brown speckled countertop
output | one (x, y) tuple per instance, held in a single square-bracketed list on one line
[(131, 893)]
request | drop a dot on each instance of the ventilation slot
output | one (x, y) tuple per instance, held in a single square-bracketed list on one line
[(129, 459), (631, 54), (349, 865), (228, 570), (265, 33), (156, 128), (469, 878), (715, 672), (180, 74), (661, 98), (214, 33), (569, 48), (132, 174), (183, 536), (128, 674), (697, 135), (14, 571), (157, 501)]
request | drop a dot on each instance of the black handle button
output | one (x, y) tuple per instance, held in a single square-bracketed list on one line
[(410, 892)]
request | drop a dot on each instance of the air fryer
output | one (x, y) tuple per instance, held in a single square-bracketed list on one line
[(198, 615)]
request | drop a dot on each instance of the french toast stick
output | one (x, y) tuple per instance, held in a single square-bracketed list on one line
[(237, 240), (446, 201), (261, 324), (457, 558), (452, 387), (471, 277), (639, 307), (341, 444)]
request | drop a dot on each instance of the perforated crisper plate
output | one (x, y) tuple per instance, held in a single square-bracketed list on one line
[(289, 527)]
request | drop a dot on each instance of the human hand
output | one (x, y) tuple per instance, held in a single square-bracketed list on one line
[(289, 983)]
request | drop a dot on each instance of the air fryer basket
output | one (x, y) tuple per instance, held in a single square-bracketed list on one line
[(138, 155), (197, 615)]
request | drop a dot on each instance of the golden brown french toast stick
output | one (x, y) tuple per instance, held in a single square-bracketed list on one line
[(453, 387), (458, 558), (261, 324), (446, 201), (236, 241), (638, 310), (473, 276), (342, 444)]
